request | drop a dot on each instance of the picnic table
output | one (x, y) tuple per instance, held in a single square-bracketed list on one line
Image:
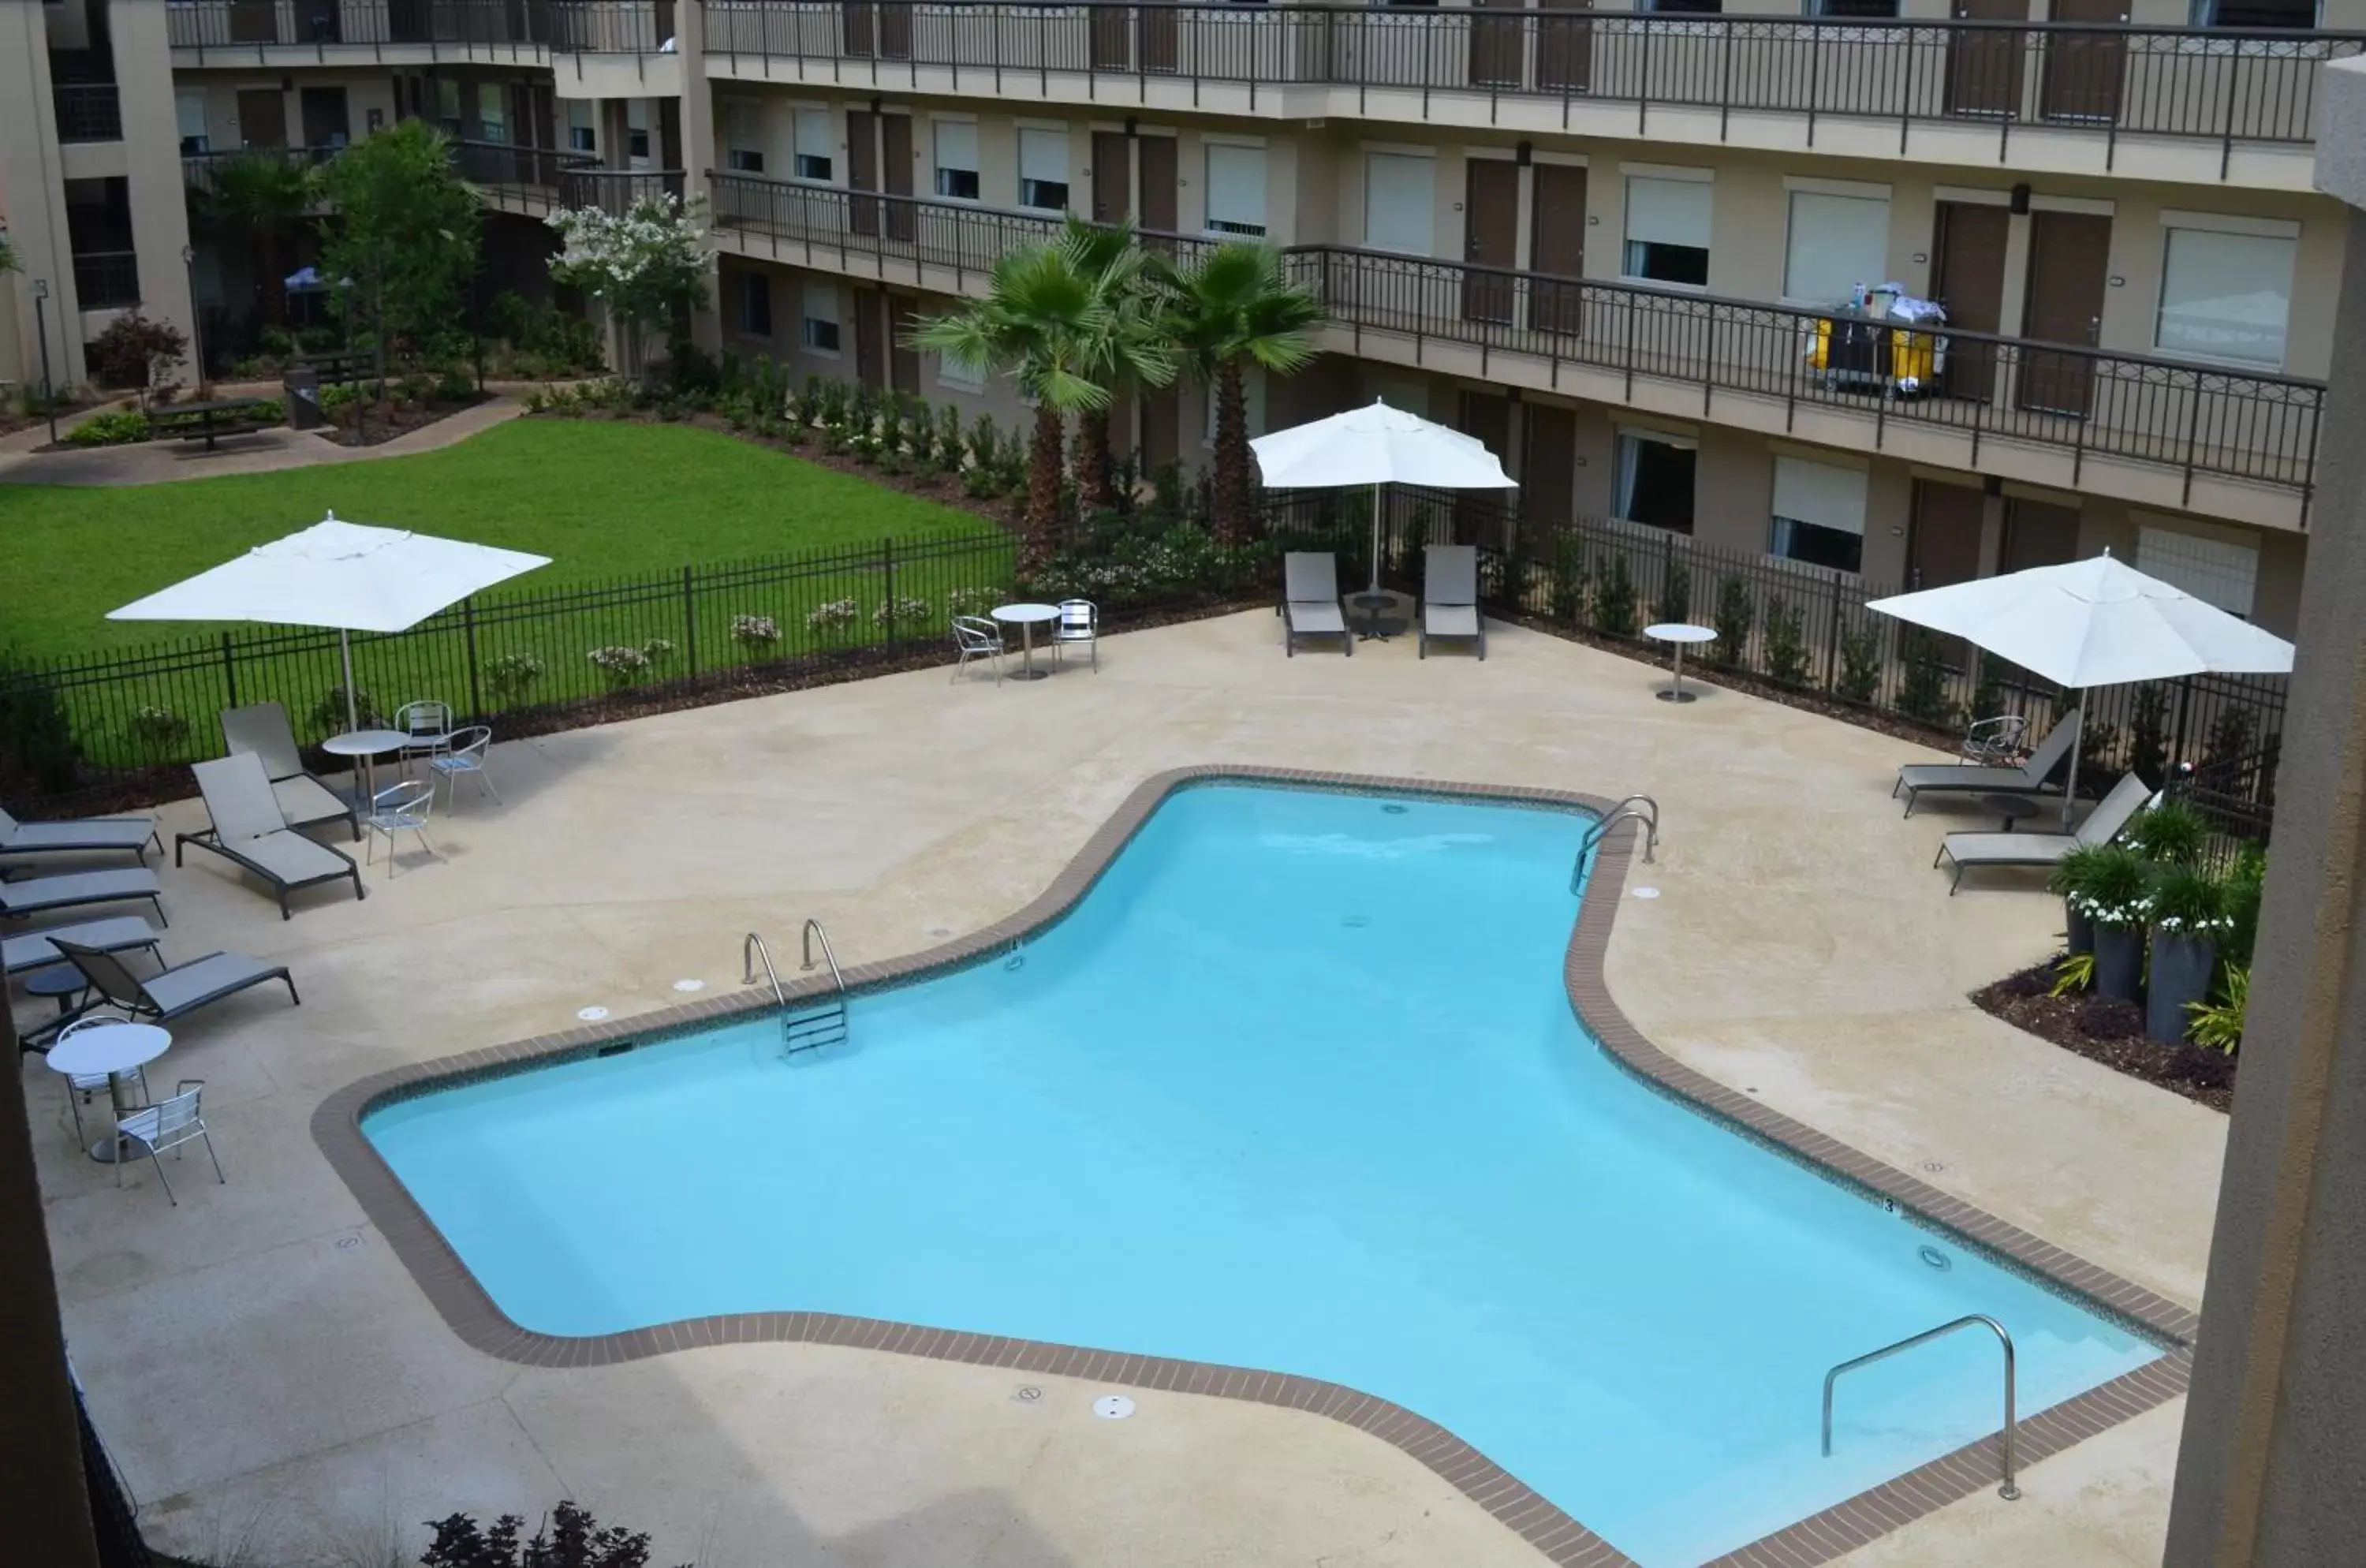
[(344, 365), (210, 421)]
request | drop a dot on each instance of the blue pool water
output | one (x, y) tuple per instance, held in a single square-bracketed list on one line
[(1296, 1086)]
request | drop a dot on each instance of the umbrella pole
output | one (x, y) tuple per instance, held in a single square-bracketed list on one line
[(2077, 744), (1376, 541), (346, 648)]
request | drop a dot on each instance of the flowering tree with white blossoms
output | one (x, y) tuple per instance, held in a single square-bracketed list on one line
[(646, 265)]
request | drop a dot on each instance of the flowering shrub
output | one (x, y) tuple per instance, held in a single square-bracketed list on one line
[(657, 651), (974, 601), (644, 265), (757, 632), (158, 730), (620, 666), (901, 611), (511, 673), (837, 615)]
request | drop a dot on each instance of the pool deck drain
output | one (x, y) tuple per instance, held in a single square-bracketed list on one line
[(472, 1316)]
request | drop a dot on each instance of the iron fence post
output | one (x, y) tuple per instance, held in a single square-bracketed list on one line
[(1832, 643), (476, 691), (887, 560), (230, 670), (689, 623)]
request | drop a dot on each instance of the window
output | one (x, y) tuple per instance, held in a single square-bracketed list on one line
[(957, 159), (493, 111), (1044, 169), (1855, 9), (1235, 190), (636, 130), (189, 110), (815, 145), (2220, 572), (1400, 209), (821, 318), (1655, 478), (1837, 242), (580, 137), (448, 103), (2225, 296), (961, 376), (1819, 513), (756, 305), (1667, 229), (2244, 14), (743, 138), (1684, 8)]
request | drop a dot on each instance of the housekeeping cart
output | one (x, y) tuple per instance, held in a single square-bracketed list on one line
[(1872, 343)]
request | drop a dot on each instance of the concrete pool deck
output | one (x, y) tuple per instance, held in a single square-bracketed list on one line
[(273, 1383)]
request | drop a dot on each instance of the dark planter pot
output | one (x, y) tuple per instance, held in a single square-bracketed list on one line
[(2118, 961), (2079, 931), (2181, 968)]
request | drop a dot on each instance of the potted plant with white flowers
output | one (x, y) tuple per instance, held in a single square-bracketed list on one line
[(2188, 919), (2069, 884), (2115, 894)]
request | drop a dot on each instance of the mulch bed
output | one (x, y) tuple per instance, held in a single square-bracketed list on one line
[(2110, 1033), (382, 422), (13, 418)]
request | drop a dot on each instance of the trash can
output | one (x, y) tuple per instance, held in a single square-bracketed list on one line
[(302, 386)]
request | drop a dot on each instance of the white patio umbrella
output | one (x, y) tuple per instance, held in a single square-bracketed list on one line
[(1377, 445), (2093, 622), (345, 575)]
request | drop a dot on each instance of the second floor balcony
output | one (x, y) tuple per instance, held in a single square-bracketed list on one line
[(2182, 103), (88, 111), (226, 31), (2152, 430)]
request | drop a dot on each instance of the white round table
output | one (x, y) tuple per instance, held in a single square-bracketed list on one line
[(366, 745), (1026, 617), (114, 1050), (1677, 635)]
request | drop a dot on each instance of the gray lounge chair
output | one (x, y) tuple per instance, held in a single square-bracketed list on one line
[(1310, 600), (249, 831), (304, 800), (69, 890), (172, 992), (1961, 778), (80, 834), (38, 950), (2101, 826), (1449, 595)]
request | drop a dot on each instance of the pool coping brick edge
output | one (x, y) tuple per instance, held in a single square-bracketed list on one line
[(470, 1312)]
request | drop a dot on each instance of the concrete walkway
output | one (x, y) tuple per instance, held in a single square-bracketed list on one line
[(279, 1391), (161, 462)]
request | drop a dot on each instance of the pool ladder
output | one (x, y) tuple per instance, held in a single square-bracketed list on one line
[(807, 1028), (1634, 809), (2007, 1491)]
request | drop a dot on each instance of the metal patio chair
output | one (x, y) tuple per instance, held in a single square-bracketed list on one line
[(168, 1124), (429, 726), (464, 757), (974, 637), (1080, 621), (82, 1087), (399, 808)]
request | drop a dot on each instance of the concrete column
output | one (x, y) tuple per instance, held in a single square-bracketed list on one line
[(32, 175), (152, 142), (698, 154), (2272, 1467), (1991, 532)]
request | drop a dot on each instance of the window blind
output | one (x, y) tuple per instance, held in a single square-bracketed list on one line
[(1837, 242), (2216, 571), (1822, 493), (1398, 202), (957, 144), (1668, 212), (1043, 155), (1237, 189), (2227, 296)]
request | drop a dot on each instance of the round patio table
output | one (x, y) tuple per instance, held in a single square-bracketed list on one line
[(365, 746), (115, 1051), (1678, 634), (1026, 617), (63, 981)]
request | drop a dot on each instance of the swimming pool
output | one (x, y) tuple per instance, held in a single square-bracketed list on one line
[(1296, 1086)]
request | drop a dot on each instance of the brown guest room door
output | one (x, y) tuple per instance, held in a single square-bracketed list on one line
[(2069, 256), (1491, 220)]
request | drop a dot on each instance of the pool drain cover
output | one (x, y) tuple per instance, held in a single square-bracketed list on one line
[(1647, 893), (1394, 810), (1026, 1393), (1112, 1407), (1014, 963), (591, 1015), (690, 985), (1934, 1257)]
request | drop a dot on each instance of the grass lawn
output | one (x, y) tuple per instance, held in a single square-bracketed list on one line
[(603, 500)]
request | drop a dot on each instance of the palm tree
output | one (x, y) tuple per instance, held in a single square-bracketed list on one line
[(1236, 307), (264, 195), (1044, 322), (1131, 346)]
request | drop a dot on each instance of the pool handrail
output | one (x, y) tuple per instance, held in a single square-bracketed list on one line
[(1626, 810), (751, 949), (2007, 1491)]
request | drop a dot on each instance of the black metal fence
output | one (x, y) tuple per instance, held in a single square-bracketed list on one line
[(1803, 628), (615, 191), (2223, 85), (88, 111), (106, 280), (350, 25)]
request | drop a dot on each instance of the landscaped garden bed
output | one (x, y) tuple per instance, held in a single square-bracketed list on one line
[(2109, 1032), (359, 415)]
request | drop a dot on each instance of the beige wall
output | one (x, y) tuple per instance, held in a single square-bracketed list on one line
[(365, 91)]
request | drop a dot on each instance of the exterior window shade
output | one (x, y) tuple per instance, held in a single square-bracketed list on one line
[(957, 159), (1044, 169), (189, 112), (580, 137), (744, 150), (1837, 242), (813, 146), (2225, 296), (2217, 572), (1236, 190), (821, 317), (493, 111), (756, 305), (1398, 202), (1668, 229), (1819, 513)]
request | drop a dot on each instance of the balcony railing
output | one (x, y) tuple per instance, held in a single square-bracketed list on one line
[(612, 26), (106, 280), (88, 111), (615, 191), (228, 24), (2227, 86), (2194, 419), (201, 171), (525, 176)]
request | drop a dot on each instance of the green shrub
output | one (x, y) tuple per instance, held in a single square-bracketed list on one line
[(117, 427), (2172, 833), (1785, 643), (510, 674), (1736, 610), (2244, 885), (1676, 594), (1860, 676), (35, 731), (1614, 598), (1924, 692)]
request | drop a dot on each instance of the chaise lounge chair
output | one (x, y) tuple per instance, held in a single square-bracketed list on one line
[(38, 950), (1310, 600), (69, 890), (1961, 778), (249, 831), (2101, 826), (1449, 595), (304, 800), (91, 834), (172, 992)]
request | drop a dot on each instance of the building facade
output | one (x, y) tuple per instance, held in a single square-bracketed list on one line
[(1617, 246)]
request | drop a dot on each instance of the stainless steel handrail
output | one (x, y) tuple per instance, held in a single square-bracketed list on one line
[(751, 949), (815, 929), (1625, 811), (2009, 1491)]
